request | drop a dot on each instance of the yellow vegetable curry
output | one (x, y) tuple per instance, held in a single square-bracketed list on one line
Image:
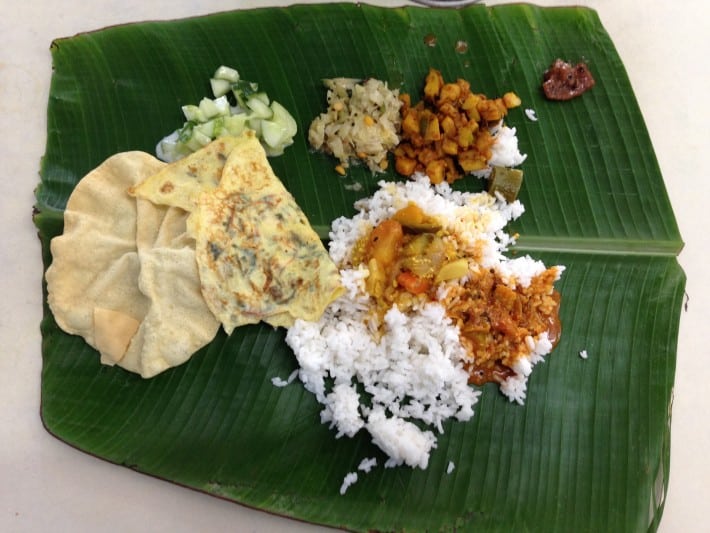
[(411, 259)]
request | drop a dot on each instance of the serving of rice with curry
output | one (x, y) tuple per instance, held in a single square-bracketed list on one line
[(432, 305)]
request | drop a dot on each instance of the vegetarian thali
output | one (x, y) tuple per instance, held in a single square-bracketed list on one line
[(589, 447)]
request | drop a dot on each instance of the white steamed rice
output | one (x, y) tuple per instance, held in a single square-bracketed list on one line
[(402, 386)]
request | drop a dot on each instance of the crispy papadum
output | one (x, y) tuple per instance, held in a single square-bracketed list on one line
[(124, 274)]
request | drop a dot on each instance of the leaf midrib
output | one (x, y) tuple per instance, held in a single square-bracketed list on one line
[(590, 245), (526, 243)]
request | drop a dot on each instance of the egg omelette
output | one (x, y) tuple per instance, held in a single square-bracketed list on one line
[(258, 257)]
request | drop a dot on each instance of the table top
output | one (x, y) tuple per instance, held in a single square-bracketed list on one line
[(47, 485)]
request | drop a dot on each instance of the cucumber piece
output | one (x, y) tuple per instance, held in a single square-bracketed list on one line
[(226, 73), (206, 129), (218, 128), (198, 140), (274, 133), (236, 124), (208, 108), (214, 108), (261, 95), (185, 133), (282, 116), (260, 109), (222, 105), (220, 87), (242, 90), (193, 113), (254, 123)]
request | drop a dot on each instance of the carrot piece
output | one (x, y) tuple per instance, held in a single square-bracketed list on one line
[(413, 283)]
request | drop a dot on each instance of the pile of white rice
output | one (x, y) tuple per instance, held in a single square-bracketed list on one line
[(402, 385), (504, 152)]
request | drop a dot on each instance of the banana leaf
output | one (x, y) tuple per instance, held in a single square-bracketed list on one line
[(589, 451)]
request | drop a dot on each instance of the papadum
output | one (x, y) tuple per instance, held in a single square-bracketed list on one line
[(124, 274)]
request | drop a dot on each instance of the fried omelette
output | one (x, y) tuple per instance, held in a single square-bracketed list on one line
[(257, 255), (180, 183)]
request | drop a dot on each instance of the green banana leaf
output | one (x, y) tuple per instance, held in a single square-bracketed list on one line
[(589, 451)]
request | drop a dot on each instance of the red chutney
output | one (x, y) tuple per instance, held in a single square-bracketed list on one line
[(564, 81)]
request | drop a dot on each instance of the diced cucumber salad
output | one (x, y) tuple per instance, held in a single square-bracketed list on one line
[(216, 117)]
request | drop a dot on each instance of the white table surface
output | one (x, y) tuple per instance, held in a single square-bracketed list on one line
[(48, 486)]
